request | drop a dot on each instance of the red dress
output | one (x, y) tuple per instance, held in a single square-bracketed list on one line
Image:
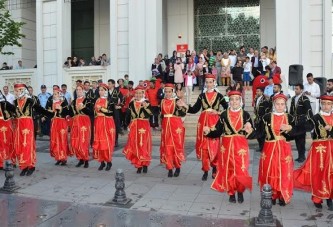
[(80, 133), (104, 138), (59, 136), (207, 148), (232, 169), (139, 145), (172, 136), (316, 174), (24, 142), (6, 138), (276, 162)]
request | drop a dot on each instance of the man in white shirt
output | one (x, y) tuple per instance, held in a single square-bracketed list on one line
[(19, 66), (312, 91), (9, 97), (251, 53)]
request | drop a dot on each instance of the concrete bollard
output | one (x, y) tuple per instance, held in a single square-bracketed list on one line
[(120, 195), (265, 217), (9, 185)]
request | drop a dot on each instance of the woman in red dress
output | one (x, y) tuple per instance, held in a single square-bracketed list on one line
[(58, 110), (139, 145), (235, 126), (6, 130), (80, 131), (276, 162), (24, 138), (316, 174), (173, 132), (210, 102), (104, 139)]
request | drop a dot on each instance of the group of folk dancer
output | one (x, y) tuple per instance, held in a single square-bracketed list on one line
[(221, 142)]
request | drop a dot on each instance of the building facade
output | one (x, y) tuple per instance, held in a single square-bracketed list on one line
[(131, 33)]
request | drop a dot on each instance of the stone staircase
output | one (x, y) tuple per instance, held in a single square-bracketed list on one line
[(191, 120)]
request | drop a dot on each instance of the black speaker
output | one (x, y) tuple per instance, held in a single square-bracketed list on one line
[(321, 81), (295, 74)]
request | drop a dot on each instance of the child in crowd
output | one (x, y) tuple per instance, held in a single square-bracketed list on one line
[(188, 81), (247, 73)]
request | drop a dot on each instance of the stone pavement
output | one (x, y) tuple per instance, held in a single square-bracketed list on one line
[(70, 196)]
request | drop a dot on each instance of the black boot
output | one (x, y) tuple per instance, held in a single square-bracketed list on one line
[(232, 199), (204, 176), (214, 172), (318, 205), (329, 204), (170, 173), (139, 170), (176, 174), (30, 171), (273, 201), (240, 197), (23, 172), (1, 168), (282, 202), (101, 167), (86, 164), (57, 163), (63, 163), (145, 169), (81, 162), (108, 166)]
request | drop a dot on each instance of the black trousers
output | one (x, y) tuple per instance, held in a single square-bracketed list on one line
[(45, 126), (300, 144), (92, 119), (261, 141), (154, 118), (116, 117)]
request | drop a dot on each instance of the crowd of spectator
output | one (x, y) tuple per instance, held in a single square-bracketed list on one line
[(75, 62), (19, 65), (229, 67)]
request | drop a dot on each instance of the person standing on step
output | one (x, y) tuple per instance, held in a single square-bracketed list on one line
[(173, 132), (261, 106), (210, 102), (139, 145), (117, 99), (316, 174), (105, 129), (80, 132), (6, 129), (236, 126), (276, 161), (57, 108), (301, 110)]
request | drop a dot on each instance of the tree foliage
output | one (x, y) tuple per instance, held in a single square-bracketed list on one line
[(10, 30)]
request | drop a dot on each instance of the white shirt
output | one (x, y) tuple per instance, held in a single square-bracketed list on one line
[(233, 60), (296, 99), (314, 89), (247, 66), (265, 62), (10, 98), (250, 55), (258, 100)]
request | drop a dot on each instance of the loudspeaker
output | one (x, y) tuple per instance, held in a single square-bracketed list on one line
[(321, 81), (295, 74)]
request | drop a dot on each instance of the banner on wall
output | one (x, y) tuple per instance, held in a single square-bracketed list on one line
[(182, 48)]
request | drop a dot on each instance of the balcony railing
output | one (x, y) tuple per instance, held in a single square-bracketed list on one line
[(87, 73), (11, 77)]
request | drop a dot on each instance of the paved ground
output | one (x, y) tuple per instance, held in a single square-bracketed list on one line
[(70, 196)]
